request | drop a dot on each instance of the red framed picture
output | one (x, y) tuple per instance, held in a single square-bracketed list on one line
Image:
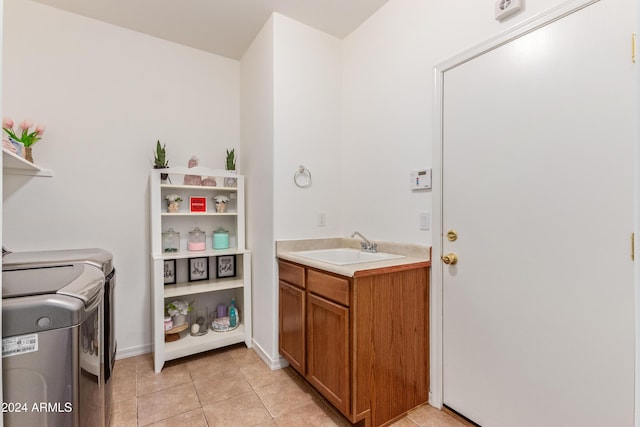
[(197, 204)]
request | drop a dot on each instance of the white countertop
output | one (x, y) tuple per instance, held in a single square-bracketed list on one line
[(413, 254)]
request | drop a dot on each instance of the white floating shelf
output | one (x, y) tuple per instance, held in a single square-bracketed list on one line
[(16, 165)]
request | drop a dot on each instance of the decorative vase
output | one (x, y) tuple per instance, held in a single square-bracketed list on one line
[(179, 319), (173, 207), (28, 155), (221, 207)]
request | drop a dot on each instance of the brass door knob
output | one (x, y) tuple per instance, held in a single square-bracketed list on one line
[(450, 259)]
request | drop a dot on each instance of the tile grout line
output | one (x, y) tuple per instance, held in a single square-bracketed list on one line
[(198, 396)]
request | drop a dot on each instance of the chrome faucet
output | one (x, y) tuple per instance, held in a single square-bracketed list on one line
[(366, 245)]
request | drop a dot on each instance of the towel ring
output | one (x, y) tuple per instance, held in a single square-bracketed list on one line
[(302, 178)]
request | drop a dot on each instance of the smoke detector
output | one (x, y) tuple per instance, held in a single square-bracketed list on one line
[(505, 8)]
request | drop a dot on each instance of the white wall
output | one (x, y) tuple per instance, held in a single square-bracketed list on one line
[(388, 99), (388, 106), (291, 116), (106, 95), (307, 130), (256, 158)]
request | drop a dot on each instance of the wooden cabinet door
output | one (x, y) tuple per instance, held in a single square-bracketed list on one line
[(328, 350), (292, 327)]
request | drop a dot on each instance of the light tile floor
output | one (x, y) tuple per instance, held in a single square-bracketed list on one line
[(228, 387)]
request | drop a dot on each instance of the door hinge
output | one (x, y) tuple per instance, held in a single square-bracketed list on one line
[(633, 48), (633, 246)]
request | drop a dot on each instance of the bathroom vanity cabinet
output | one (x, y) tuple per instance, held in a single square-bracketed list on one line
[(212, 285), (292, 314), (361, 341)]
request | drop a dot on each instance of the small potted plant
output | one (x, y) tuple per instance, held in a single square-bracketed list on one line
[(178, 311), (173, 202), (221, 203), (230, 165), (231, 160), (160, 159)]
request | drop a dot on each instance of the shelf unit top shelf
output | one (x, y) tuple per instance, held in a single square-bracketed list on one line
[(199, 214), (15, 165), (196, 187)]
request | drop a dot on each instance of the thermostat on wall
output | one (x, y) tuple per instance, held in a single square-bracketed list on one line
[(420, 179)]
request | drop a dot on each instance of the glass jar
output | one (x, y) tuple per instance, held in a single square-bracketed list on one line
[(168, 323), (199, 317), (220, 238), (170, 241), (197, 240)]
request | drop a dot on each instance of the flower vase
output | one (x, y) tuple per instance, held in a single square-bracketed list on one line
[(28, 155), (173, 207), (179, 319), (221, 207)]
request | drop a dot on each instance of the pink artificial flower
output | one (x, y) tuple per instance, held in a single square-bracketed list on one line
[(26, 124), (7, 122), (40, 129)]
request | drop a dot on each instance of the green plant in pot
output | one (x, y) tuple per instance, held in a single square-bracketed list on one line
[(160, 159), (231, 160), (230, 165)]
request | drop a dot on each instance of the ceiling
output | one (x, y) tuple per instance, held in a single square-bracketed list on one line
[(223, 27)]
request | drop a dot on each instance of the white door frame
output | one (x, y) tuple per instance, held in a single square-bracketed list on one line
[(436, 320)]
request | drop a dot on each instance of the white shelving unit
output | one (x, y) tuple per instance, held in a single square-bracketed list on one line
[(207, 293), (16, 165)]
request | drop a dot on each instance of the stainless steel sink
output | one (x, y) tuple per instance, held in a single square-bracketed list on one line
[(345, 256)]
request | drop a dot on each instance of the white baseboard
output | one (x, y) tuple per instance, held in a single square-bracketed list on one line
[(276, 364), (123, 353), (273, 364)]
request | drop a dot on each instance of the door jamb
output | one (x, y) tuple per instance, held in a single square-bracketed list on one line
[(436, 348)]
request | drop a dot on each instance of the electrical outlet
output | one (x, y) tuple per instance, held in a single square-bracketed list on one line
[(505, 8), (322, 219)]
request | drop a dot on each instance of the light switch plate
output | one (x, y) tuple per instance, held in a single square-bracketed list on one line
[(505, 8), (424, 220)]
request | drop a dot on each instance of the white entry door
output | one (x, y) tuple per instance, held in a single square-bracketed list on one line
[(537, 183)]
